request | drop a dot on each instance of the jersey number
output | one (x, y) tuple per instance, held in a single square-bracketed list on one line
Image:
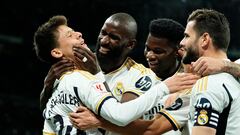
[(59, 120)]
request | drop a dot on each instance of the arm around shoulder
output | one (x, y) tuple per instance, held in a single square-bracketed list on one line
[(232, 68)]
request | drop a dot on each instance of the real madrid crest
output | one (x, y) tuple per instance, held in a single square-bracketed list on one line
[(119, 90), (203, 117)]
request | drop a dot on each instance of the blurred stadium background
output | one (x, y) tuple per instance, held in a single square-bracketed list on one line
[(23, 74)]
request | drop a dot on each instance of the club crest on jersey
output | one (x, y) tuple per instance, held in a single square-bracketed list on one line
[(144, 83), (203, 103), (119, 89), (202, 117), (176, 105)]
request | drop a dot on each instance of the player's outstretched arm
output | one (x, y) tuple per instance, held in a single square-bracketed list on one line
[(122, 114), (84, 119), (181, 81)]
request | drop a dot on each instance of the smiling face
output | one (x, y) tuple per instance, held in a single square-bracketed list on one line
[(191, 44), (67, 38), (113, 44), (112, 39), (160, 54)]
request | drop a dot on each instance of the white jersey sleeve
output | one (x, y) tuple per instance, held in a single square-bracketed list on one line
[(123, 114), (177, 113), (215, 103), (96, 97), (93, 94)]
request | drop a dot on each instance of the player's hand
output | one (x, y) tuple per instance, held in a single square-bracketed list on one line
[(181, 81), (54, 73), (89, 63), (171, 99), (207, 65), (84, 119)]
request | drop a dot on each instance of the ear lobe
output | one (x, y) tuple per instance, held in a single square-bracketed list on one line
[(56, 53), (132, 44), (205, 40)]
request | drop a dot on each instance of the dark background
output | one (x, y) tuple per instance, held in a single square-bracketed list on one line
[(22, 74)]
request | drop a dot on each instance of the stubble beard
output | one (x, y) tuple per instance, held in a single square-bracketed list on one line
[(190, 56), (112, 56)]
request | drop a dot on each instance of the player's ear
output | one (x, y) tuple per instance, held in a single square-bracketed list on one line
[(206, 39), (131, 44), (56, 53)]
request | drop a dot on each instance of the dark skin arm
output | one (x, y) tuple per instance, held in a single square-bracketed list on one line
[(91, 65), (54, 73)]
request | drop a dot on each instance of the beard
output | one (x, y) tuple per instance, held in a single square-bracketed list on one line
[(190, 56), (114, 54)]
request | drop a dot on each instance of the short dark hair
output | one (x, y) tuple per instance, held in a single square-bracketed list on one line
[(45, 38), (167, 28), (127, 21), (214, 23)]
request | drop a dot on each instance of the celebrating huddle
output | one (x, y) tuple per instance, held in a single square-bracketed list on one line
[(107, 92)]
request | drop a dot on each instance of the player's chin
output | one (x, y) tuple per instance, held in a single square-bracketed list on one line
[(154, 68)]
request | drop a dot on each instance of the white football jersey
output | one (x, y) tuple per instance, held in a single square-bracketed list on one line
[(130, 77), (159, 106), (215, 103), (66, 97), (177, 114), (80, 87)]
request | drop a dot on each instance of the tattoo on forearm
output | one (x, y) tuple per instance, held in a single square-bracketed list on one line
[(232, 68)]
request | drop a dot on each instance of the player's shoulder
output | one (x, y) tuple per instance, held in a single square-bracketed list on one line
[(137, 68), (212, 82), (221, 78), (77, 74)]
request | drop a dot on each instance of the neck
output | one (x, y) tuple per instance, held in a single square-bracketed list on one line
[(111, 65), (169, 72), (219, 54)]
